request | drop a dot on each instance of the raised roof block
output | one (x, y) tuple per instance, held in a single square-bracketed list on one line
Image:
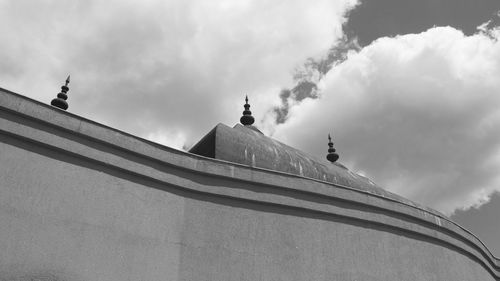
[(248, 146)]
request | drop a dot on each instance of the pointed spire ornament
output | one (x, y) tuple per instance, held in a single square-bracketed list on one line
[(60, 101), (331, 156), (247, 118)]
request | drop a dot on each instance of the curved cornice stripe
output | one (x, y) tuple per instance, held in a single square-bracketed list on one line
[(48, 129)]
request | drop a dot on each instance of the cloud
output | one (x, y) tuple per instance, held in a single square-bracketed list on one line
[(166, 70), (417, 113), (309, 74)]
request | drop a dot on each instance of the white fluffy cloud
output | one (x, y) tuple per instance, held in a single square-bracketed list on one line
[(167, 70), (419, 114)]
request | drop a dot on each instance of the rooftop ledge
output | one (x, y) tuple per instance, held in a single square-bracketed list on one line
[(26, 120)]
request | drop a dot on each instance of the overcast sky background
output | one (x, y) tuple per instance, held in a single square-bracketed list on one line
[(410, 90)]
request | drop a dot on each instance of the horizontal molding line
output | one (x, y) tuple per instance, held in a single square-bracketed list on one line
[(189, 186), (82, 130)]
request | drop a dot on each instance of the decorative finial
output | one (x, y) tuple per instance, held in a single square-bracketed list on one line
[(331, 156), (60, 101), (247, 118)]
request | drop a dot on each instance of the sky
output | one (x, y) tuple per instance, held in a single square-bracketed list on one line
[(409, 90)]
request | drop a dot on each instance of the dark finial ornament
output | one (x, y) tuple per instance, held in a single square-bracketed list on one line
[(247, 118), (331, 156), (60, 101)]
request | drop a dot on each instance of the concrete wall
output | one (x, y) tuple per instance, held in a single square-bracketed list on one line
[(80, 201), (74, 222)]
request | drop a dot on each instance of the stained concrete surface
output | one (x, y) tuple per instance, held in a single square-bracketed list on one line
[(88, 225)]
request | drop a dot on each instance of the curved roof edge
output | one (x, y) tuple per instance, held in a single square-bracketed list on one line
[(27, 120)]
